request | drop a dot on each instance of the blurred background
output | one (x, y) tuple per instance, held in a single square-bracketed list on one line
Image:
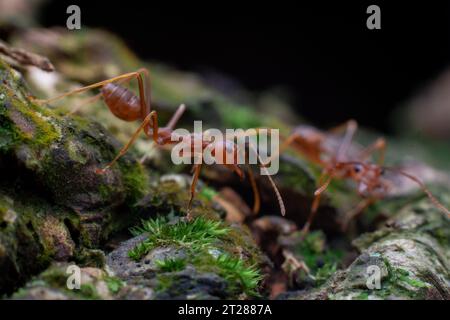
[(330, 65)]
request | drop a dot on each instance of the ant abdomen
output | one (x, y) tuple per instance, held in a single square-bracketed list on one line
[(123, 103)]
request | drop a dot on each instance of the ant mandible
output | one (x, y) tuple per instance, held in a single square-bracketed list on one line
[(340, 161), (125, 105)]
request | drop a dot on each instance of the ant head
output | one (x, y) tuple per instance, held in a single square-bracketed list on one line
[(366, 170), (371, 182), (357, 168)]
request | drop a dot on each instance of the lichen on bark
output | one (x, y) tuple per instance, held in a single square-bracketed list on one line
[(411, 254)]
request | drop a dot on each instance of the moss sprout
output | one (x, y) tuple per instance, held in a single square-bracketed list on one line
[(114, 284), (235, 271), (171, 264), (196, 234), (202, 241)]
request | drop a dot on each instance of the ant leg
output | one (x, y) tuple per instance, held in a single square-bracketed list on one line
[(94, 98), (312, 214), (316, 201), (286, 143), (197, 168), (274, 187), (176, 116), (148, 91), (144, 85), (257, 199), (378, 145), (422, 186), (124, 150), (266, 172), (350, 128), (89, 87), (85, 102), (355, 212), (343, 127), (235, 169)]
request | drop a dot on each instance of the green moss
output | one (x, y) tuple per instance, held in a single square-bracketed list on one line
[(32, 234), (135, 180), (164, 282), (114, 284), (363, 296), (54, 277), (394, 284), (323, 273), (22, 121), (88, 291), (46, 127), (197, 234), (8, 136), (206, 244), (74, 152), (90, 258), (171, 264), (413, 282), (105, 191), (239, 276), (398, 275), (207, 193), (321, 261), (238, 240)]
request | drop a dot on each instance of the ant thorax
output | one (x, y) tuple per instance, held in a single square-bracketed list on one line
[(207, 150), (223, 151)]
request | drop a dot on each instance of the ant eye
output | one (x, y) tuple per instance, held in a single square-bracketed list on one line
[(382, 171), (357, 168)]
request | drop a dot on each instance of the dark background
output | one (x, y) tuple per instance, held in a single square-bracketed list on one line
[(334, 66)]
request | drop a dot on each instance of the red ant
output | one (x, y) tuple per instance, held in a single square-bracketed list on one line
[(333, 155), (125, 105)]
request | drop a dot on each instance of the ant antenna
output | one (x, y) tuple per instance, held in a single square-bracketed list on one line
[(257, 200), (262, 165), (274, 186), (432, 198)]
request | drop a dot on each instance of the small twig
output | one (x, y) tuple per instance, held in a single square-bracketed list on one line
[(24, 57)]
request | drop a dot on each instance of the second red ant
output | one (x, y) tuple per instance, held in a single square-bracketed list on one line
[(339, 159)]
